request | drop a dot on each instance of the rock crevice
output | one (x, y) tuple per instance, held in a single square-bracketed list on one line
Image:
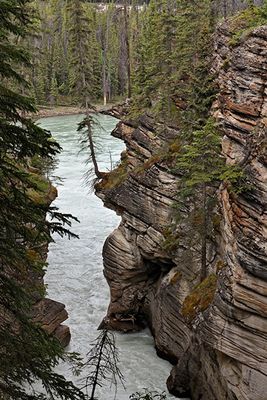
[(220, 352)]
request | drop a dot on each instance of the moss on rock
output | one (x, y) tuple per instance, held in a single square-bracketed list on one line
[(200, 298), (41, 191), (114, 178)]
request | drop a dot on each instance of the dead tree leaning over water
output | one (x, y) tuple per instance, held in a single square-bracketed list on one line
[(102, 363)]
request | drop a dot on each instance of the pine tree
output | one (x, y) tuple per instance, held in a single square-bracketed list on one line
[(106, 50), (82, 76), (193, 84), (110, 24), (172, 71), (145, 69), (127, 47), (61, 52), (203, 168), (102, 362), (27, 353)]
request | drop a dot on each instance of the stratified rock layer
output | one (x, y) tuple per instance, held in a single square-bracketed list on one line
[(49, 314), (220, 353), (236, 325)]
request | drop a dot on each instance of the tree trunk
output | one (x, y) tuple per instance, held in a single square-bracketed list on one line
[(92, 150), (203, 272), (95, 381), (105, 45), (104, 78), (127, 43)]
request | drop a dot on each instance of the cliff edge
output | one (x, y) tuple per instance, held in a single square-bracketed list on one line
[(215, 333)]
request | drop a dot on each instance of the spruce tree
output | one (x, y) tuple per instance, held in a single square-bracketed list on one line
[(145, 69), (193, 87), (82, 48), (27, 353), (203, 168), (172, 69), (102, 364)]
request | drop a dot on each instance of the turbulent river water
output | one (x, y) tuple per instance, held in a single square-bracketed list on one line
[(75, 276)]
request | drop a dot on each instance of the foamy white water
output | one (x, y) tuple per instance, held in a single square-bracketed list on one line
[(75, 276)]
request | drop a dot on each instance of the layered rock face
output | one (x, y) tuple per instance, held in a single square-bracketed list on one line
[(47, 313), (219, 350), (50, 314), (236, 325)]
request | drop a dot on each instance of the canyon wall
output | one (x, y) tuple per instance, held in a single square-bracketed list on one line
[(47, 313), (214, 333)]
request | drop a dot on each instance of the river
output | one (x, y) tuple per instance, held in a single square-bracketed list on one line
[(75, 276)]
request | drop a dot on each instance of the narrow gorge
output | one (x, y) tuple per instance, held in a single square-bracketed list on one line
[(180, 309), (214, 333)]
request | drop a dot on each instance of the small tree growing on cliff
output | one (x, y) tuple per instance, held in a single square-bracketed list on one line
[(203, 169), (83, 76), (85, 128)]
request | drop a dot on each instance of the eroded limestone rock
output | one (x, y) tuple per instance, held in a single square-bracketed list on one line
[(220, 354)]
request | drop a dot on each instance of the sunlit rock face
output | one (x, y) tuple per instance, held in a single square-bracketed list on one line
[(220, 352)]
